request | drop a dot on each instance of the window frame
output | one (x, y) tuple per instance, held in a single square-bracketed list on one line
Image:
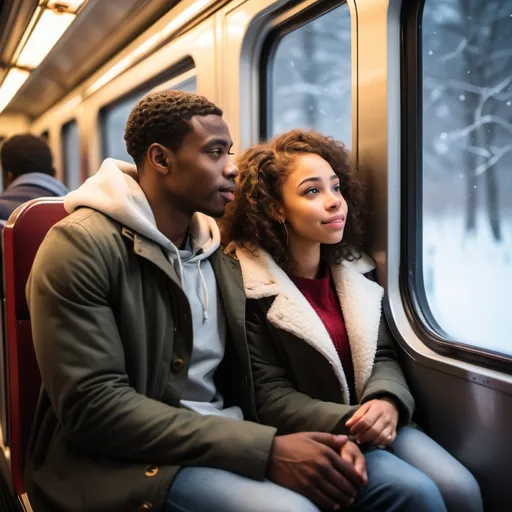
[(283, 24), (64, 153), (411, 282)]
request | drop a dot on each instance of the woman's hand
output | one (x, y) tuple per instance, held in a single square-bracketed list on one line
[(375, 422)]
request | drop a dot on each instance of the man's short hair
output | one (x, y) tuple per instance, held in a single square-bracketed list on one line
[(164, 118), (26, 153)]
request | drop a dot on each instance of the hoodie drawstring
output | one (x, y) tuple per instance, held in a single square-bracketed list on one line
[(205, 292), (180, 265), (203, 283)]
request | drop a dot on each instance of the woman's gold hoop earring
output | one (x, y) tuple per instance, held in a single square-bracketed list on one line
[(285, 230)]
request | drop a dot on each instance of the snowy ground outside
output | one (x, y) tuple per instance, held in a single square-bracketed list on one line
[(468, 281)]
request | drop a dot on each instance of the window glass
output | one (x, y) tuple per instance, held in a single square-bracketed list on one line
[(311, 77), (115, 117), (71, 155), (467, 170)]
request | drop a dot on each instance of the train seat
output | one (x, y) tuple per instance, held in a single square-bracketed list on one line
[(22, 236)]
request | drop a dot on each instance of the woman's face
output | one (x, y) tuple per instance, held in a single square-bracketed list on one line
[(313, 206)]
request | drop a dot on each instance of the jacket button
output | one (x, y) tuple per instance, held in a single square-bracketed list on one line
[(177, 365), (151, 470), (246, 381), (145, 507)]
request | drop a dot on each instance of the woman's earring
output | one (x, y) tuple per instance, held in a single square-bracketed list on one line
[(285, 230)]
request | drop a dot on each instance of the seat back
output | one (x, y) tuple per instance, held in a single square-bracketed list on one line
[(3, 364), (22, 236)]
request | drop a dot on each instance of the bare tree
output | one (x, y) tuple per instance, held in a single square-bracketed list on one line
[(312, 76), (476, 70)]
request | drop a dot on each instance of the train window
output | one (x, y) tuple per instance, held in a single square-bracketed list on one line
[(71, 155), (466, 183), (114, 117), (310, 76)]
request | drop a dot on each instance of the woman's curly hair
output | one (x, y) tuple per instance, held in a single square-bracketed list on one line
[(251, 218)]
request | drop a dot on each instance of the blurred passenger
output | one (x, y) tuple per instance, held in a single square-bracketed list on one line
[(138, 321), (27, 172), (323, 357)]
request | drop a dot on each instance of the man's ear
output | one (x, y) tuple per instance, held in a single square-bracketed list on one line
[(159, 157)]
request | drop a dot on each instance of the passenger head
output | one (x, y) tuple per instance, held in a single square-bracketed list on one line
[(299, 188), (22, 154), (181, 144)]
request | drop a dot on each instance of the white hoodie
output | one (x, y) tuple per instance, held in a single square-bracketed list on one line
[(114, 191)]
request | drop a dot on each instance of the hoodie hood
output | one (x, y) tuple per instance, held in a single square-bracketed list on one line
[(114, 190)]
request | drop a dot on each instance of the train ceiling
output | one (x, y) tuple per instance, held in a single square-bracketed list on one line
[(100, 30)]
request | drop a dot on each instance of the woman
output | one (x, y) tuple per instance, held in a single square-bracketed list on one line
[(323, 357)]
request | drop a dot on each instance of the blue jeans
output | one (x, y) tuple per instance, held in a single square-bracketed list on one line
[(458, 486), (413, 475)]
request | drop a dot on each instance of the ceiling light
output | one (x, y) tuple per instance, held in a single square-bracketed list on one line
[(49, 28), (13, 81)]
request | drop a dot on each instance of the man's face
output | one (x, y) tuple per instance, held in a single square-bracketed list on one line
[(202, 173)]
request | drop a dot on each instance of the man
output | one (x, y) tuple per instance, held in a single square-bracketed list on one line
[(27, 171), (139, 331)]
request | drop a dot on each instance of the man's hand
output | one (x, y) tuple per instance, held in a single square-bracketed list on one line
[(353, 455), (310, 464)]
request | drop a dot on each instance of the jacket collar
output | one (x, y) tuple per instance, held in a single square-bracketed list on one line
[(151, 251), (360, 300)]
